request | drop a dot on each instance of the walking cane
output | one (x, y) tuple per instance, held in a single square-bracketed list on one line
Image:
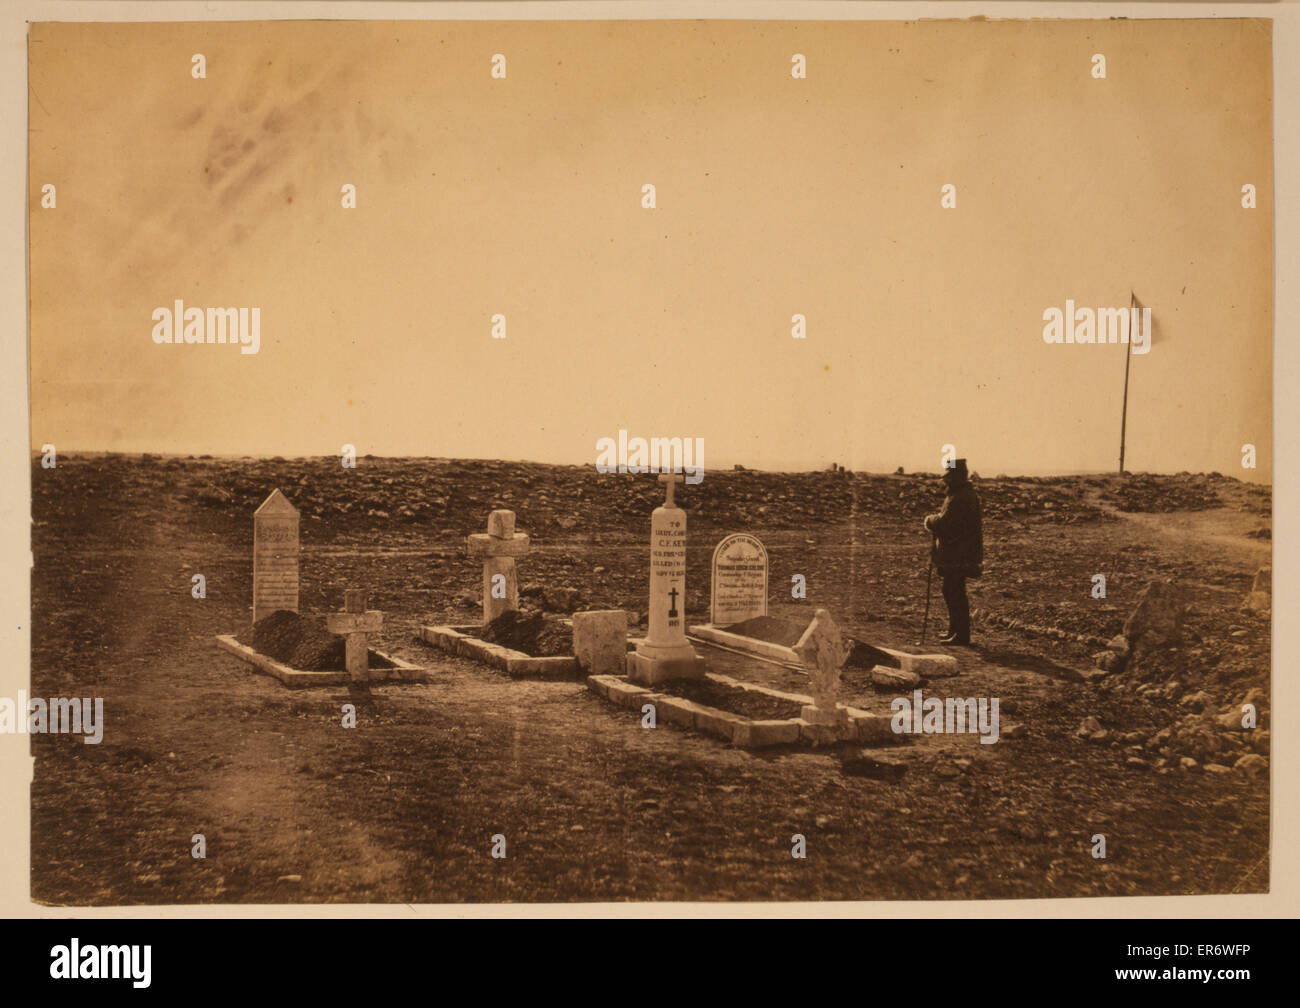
[(929, 570)]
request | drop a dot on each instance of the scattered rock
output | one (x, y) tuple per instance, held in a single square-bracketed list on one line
[(1108, 661), (859, 765), (1252, 764), (1158, 618), (1217, 768), (561, 599), (1231, 720), (892, 678)]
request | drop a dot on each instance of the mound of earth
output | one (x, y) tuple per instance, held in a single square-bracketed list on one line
[(746, 703), (533, 633), (771, 629), (301, 642)]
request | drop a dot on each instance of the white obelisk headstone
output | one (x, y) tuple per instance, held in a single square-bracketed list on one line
[(665, 653), (275, 556)]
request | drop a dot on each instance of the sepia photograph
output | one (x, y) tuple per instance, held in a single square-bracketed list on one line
[(649, 461)]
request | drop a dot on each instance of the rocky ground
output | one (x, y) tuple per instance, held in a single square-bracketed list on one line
[(1140, 741)]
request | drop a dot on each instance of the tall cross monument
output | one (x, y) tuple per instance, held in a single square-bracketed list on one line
[(665, 653)]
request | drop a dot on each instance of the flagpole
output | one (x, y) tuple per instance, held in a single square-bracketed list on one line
[(1128, 357)]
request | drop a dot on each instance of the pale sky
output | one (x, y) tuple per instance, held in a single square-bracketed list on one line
[(775, 196)]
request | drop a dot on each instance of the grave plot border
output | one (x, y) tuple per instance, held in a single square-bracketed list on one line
[(932, 666), (745, 733), (461, 640), (403, 671)]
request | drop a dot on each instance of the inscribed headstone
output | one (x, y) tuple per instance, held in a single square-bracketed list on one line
[(739, 580), (275, 556)]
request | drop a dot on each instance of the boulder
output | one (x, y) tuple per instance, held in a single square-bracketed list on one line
[(1157, 620), (1108, 661), (892, 678)]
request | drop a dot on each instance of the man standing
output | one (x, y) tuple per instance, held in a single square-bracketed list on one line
[(958, 547)]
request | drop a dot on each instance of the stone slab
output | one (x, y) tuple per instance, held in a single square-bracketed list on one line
[(764, 649), (460, 640), (760, 734), (718, 723), (873, 729), (600, 641), (892, 678), (627, 694), (746, 733), (402, 672), (676, 710), (932, 666)]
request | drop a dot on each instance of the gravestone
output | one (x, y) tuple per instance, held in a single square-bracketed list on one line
[(275, 556), (823, 653), (600, 641), (355, 624), (499, 547), (739, 580), (665, 653)]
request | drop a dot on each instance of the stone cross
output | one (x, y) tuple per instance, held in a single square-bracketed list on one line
[(355, 623), (666, 653), (671, 481), (823, 653), (499, 548)]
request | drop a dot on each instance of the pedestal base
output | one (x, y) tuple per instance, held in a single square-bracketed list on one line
[(825, 725), (651, 664), (838, 715)]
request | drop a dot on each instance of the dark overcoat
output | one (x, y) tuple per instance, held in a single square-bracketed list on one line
[(960, 533)]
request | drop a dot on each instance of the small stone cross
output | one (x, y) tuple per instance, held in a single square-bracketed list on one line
[(822, 651), (498, 548), (355, 623)]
